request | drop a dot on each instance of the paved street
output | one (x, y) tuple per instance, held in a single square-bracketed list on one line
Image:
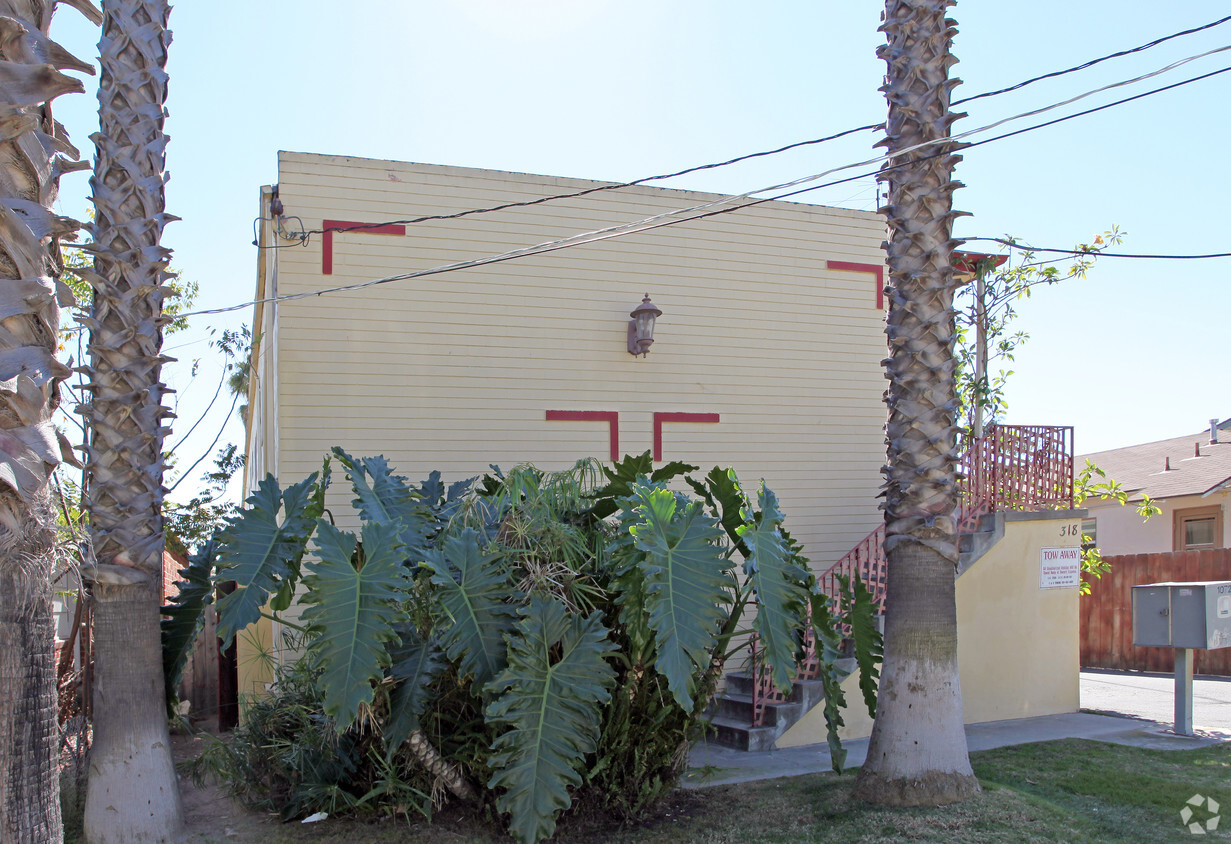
[(1152, 696)]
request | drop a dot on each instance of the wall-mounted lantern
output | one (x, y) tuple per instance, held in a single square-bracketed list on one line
[(641, 327)]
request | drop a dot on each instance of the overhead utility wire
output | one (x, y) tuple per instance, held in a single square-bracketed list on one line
[(659, 221), (798, 144), (1093, 62), (1098, 253)]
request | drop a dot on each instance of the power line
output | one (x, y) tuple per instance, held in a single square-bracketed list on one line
[(1096, 253), (1093, 62), (661, 220), (672, 217), (304, 235)]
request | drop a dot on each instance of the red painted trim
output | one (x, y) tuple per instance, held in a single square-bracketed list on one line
[(611, 417), (876, 269), (661, 418), (327, 238)]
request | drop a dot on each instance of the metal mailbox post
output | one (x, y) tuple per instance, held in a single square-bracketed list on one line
[(1184, 616)]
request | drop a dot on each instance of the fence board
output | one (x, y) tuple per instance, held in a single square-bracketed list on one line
[(1107, 612)]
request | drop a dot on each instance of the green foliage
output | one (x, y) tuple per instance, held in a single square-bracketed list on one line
[(548, 699), (385, 498), (471, 588), (261, 553), (868, 643), (1092, 482), (687, 582), (722, 492), (352, 609), (779, 584), (182, 616), (506, 632), (1003, 288), (623, 475), (825, 628), (288, 758), (416, 663)]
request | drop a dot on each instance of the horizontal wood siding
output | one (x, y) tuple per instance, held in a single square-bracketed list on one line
[(1107, 612), (456, 371)]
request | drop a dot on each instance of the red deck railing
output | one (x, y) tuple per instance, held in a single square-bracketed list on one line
[(1016, 467), (1012, 467)]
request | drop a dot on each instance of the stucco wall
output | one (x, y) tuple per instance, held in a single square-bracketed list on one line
[(1122, 531), (1017, 643)]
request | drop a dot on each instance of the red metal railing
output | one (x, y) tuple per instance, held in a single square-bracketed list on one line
[(1012, 467), (1016, 467), (763, 690)]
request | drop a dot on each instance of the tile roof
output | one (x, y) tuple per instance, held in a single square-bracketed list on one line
[(1142, 468)]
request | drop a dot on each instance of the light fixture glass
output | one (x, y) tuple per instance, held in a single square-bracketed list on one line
[(641, 327)]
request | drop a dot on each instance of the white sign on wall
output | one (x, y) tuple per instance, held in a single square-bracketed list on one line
[(1059, 568)]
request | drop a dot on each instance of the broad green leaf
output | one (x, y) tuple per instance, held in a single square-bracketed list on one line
[(352, 612), (415, 664), (471, 588), (623, 475), (386, 498), (687, 581), (260, 553), (312, 505), (443, 501), (183, 614), (629, 590), (779, 584), (859, 612), (432, 488), (827, 629), (724, 490), (550, 698), (667, 471)]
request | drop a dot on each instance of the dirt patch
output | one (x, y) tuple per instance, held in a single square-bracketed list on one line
[(210, 815)]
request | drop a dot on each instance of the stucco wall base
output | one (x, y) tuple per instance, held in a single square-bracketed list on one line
[(1017, 643)]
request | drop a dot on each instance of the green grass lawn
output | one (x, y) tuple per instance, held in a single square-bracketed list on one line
[(1072, 790)]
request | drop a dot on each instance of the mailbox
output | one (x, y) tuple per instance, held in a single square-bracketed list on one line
[(1183, 615)]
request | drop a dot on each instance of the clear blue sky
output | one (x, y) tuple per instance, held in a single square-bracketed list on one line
[(619, 90)]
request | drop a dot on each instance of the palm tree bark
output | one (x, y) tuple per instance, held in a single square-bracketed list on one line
[(34, 152), (132, 794), (917, 754)]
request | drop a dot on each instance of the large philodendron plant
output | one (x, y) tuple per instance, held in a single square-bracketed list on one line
[(566, 616)]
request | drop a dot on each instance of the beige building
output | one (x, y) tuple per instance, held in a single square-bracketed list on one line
[(766, 355), (1188, 477)]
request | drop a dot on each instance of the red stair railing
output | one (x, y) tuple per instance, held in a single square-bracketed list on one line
[(1012, 467)]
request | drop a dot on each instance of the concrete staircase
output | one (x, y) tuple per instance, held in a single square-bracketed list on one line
[(732, 714), (731, 721)]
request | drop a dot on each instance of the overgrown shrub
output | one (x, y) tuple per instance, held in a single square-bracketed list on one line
[(533, 642), (288, 758)]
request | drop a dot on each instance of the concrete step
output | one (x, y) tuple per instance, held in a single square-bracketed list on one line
[(738, 707), (739, 735), (732, 713)]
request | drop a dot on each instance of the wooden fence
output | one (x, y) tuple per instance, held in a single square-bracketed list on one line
[(1107, 612)]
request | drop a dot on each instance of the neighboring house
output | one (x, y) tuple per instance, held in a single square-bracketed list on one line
[(1188, 477)]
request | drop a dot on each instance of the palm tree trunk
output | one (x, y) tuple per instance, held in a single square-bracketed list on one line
[(132, 794), (34, 151), (917, 754)]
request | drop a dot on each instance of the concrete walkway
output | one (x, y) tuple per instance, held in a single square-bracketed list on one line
[(1142, 705)]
